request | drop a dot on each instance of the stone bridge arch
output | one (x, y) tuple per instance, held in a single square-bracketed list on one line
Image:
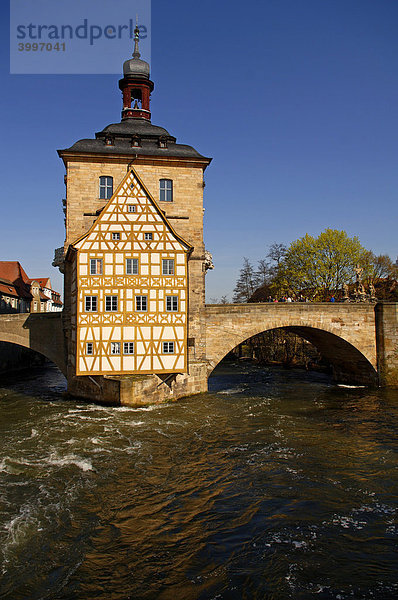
[(345, 334), (42, 333)]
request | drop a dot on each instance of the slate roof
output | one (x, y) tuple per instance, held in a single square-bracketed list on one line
[(121, 135)]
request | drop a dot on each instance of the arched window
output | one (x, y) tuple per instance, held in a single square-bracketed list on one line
[(105, 187), (166, 190)]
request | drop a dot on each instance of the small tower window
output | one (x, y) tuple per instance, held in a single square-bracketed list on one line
[(136, 141), (105, 187), (166, 190), (162, 142)]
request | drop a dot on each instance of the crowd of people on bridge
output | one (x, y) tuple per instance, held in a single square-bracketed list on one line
[(293, 298)]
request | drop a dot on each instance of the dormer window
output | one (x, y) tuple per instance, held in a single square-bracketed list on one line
[(166, 190), (108, 141), (162, 142), (136, 141), (105, 187)]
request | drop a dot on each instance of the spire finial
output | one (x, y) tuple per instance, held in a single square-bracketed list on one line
[(136, 53)]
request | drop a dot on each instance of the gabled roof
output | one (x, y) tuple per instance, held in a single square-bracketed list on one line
[(131, 173), (44, 282), (12, 271)]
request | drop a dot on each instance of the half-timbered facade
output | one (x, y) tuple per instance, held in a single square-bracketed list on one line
[(130, 289), (134, 303)]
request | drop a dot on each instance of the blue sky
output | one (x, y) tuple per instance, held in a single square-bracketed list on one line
[(295, 100)]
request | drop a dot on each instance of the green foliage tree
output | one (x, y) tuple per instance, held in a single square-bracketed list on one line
[(321, 265)]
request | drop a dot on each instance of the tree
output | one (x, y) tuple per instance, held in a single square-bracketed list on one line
[(277, 252), (246, 283), (377, 268), (321, 265), (263, 273)]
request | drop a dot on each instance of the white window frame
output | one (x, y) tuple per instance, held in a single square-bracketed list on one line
[(88, 303), (131, 208), (132, 266), (168, 266), (168, 348), (139, 302), (96, 266), (166, 190), (89, 348), (128, 348), (172, 303), (105, 187), (110, 300), (148, 235), (115, 348), (115, 235)]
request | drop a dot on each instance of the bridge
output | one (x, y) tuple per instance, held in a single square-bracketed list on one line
[(360, 340), (42, 333)]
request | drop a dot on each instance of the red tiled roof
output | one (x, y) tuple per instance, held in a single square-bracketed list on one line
[(43, 297), (11, 270), (8, 290), (42, 281)]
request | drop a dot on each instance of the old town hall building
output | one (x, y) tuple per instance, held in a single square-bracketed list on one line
[(134, 257)]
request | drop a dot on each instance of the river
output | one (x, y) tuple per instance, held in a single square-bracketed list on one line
[(274, 485)]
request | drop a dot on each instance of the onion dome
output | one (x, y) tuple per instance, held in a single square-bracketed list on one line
[(135, 67)]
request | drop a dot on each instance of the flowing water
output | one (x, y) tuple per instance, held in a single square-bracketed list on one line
[(274, 485)]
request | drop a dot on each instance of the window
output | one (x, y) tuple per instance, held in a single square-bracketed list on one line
[(116, 236), (95, 266), (141, 303), (148, 236), (172, 303), (105, 187), (115, 347), (131, 266), (91, 304), (168, 347), (90, 348), (131, 208), (136, 141), (111, 303), (128, 348), (166, 190), (167, 266)]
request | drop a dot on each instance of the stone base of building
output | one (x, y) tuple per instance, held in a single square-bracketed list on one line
[(140, 390)]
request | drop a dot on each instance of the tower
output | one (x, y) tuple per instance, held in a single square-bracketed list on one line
[(134, 256)]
